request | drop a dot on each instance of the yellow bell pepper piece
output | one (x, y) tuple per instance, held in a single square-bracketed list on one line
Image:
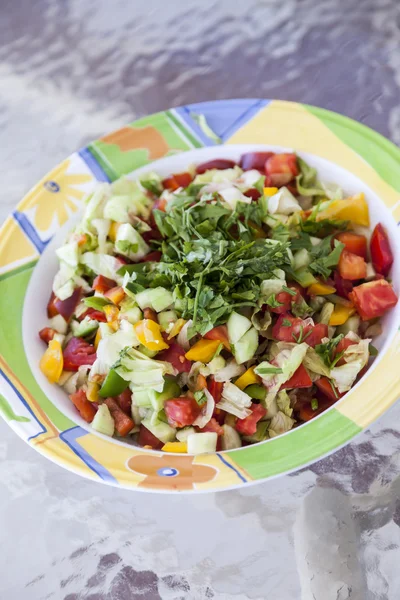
[(179, 447), (92, 392), (353, 209), (52, 361), (270, 191), (112, 232), (148, 333), (112, 313), (116, 294), (247, 378), (97, 338), (320, 289), (341, 314), (203, 350), (176, 328)]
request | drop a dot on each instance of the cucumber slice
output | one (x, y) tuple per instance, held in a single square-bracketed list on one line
[(352, 324), (200, 443), (166, 319), (183, 434), (103, 421), (256, 391), (85, 327), (147, 352), (156, 298), (301, 259), (246, 347), (304, 277), (160, 430), (260, 435), (133, 315), (237, 327)]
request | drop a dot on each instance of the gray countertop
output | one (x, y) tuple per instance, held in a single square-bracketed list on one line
[(71, 71)]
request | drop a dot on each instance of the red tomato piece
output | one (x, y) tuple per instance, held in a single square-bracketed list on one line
[(341, 347), (354, 243), (219, 333), (181, 411), (77, 353), (298, 330), (146, 438), (286, 300), (153, 234), (96, 315), (215, 388), (85, 408), (306, 412), (324, 385), (66, 308), (300, 379), (51, 309), (381, 253), (123, 423), (160, 204), (351, 266), (183, 179), (212, 425), (318, 332), (254, 160), (103, 284), (46, 334), (373, 299), (124, 401), (152, 257), (252, 193), (170, 183), (282, 163), (217, 163), (248, 426), (343, 286), (175, 355)]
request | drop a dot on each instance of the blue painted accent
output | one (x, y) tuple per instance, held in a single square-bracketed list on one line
[(24, 402), (93, 165), (52, 186), (232, 467), (168, 472), (223, 116), (30, 231), (70, 437)]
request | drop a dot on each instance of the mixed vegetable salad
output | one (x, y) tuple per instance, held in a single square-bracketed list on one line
[(218, 307)]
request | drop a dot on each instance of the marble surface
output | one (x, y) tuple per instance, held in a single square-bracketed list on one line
[(71, 71)]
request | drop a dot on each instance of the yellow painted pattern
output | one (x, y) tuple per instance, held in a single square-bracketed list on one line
[(292, 125), (15, 248), (57, 450)]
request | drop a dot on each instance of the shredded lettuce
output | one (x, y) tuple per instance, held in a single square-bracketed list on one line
[(218, 175), (102, 227), (102, 264), (283, 203), (130, 243), (280, 423), (234, 401), (141, 371), (127, 199)]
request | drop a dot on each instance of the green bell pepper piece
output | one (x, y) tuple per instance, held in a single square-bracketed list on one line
[(113, 385), (256, 391)]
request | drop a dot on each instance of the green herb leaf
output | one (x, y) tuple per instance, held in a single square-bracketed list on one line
[(96, 302), (314, 404), (200, 397), (269, 370)]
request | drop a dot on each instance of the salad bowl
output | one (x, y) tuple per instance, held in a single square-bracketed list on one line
[(341, 150)]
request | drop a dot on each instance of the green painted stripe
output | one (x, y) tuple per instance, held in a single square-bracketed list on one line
[(8, 412), (20, 269), (380, 153), (186, 132), (297, 448), (102, 160)]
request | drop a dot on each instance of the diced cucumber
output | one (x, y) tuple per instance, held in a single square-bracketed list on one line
[(182, 434), (60, 324), (151, 398), (103, 421), (133, 315), (304, 277), (85, 327), (326, 313), (142, 398), (166, 319), (59, 337), (156, 298), (246, 347), (260, 435), (200, 443), (161, 430), (352, 324), (301, 259), (136, 416), (146, 351), (256, 391), (237, 327), (230, 438)]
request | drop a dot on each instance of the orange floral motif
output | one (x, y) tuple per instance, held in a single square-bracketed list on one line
[(170, 472), (138, 138)]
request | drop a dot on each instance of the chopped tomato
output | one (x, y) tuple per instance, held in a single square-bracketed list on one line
[(66, 308), (146, 438), (298, 330), (373, 299), (212, 425), (124, 401), (181, 411), (51, 309), (300, 379), (152, 257), (160, 204), (102, 284), (217, 163), (46, 334), (286, 300), (324, 385), (149, 313), (77, 353), (173, 182), (281, 168), (95, 315), (219, 333), (176, 356), (341, 347), (343, 286), (248, 426), (351, 266), (252, 193), (215, 388), (381, 253), (354, 243), (123, 423), (85, 408), (306, 412), (254, 160)]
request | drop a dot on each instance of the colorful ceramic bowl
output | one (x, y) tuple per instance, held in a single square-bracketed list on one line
[(342, 150)]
